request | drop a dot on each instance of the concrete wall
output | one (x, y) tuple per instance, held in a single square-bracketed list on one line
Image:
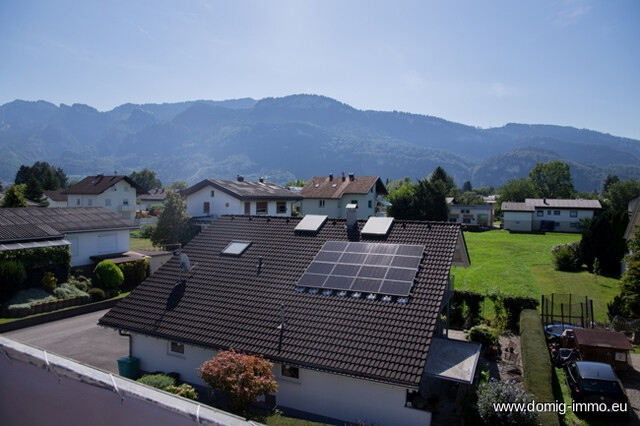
[(87, 244), (42, 389), (319, 393), (518, 221)]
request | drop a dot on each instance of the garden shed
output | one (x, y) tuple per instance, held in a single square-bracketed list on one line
[(606, 346)]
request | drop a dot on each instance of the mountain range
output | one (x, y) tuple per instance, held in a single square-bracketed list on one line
[(295, 137)]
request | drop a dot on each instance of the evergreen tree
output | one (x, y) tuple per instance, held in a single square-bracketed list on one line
[(173, 223), (48, 176), (34, 191), (13, 198)]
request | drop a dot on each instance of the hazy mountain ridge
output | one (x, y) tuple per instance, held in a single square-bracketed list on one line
[(295, 137)]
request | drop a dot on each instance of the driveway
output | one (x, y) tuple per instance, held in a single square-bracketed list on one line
[(78, 338)]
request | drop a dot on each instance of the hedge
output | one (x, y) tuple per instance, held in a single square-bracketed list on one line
[(467, 305), (537, 363), (134, 273), (40, 260)]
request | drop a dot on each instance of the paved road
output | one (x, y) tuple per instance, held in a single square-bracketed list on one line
[(78, 338)]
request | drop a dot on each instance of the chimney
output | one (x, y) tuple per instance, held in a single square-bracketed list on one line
[(544, 200), (343, 178), (240, 178), (352, 177), (261, 179), (330, 176), (352, 215)]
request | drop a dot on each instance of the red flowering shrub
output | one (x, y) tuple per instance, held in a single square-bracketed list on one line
[(240, 377)]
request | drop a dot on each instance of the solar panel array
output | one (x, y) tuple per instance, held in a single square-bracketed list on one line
[(377, 268)]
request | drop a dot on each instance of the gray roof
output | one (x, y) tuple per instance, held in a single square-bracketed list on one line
[(517, 207), (245, 190), (29, 224), (563, 204)]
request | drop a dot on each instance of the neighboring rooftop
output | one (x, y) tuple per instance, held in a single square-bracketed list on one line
[(245, 190), (56, 194), (29, 224), (238, 301), (563, 204), (517, 207), (329, 187), (93, 185), (158, 195)]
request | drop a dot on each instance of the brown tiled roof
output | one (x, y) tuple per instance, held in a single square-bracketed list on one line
[(56, 195), (602, 338), (228, 301), (28, 224), (245, 190), (158, 194), (330, 187), (93, 185)]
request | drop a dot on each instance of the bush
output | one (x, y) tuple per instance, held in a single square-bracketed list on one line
[(108, 276), (49, 281), (97, 294), (536, 363), (466, 306), (13, 274), (80, 282), (566, 257), (504, 392), (483, 334), (146, 231), (134, 273), (31, 296), (158, 381), (19, 310), (69, 291), (185, 390), (514, 305)]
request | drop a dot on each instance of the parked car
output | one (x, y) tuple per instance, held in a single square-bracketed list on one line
[(594, 382)]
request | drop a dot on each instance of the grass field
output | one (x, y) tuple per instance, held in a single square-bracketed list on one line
[(521, 264)]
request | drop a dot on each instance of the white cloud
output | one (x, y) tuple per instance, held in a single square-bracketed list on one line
[(570, 11)]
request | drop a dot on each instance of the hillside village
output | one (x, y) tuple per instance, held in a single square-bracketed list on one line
[(365, 295)]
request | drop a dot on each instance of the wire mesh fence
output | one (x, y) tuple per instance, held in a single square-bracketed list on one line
[(567, 309)]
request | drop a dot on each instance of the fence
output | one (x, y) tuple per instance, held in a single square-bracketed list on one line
[(567, 309)]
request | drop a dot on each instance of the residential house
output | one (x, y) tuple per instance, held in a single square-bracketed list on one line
[(348, 311), (545, 214), (90, 231), (56, 198), (212, 198), (153, 197), (470, 215), (634, 218), (329, 195), (610, 347), (116, 193)]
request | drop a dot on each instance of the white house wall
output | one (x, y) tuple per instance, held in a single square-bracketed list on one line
[(561, 217), (517, 221), (222, 203), (122, 201), (337, 208), (330, 395), (87, 244)]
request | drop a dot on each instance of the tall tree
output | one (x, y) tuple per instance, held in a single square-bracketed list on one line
[(517, 190), (34, 191), (466, 186), (552, 180), (179, 185), (608, 181), (173, 223), (13, 198), (440, 178), (620, 193), (146, 179), (49, 177), (403, 201), (630, 281), (431, 203)]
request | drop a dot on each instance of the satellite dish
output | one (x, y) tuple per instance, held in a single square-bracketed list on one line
[(185, 263)]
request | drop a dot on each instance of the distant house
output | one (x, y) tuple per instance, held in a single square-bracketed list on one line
[(153, 197), (211, 198), (56, 198), (476, 215), (116, 193), (349, 312), (91, 231), (634, 218), (329, 195), (610, 347), (544, 214)]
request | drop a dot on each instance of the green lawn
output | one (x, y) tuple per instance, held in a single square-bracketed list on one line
[(140, 244), (520, 264)]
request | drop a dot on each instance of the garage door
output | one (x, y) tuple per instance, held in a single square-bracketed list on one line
[(107, 243)]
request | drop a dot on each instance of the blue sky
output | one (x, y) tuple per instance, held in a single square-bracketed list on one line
[(483, 63)]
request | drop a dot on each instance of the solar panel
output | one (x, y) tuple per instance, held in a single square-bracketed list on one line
[(375, 268)]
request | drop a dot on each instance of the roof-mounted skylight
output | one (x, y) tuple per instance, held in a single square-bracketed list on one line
[(311, 223), (236, 248), (377, 226)]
